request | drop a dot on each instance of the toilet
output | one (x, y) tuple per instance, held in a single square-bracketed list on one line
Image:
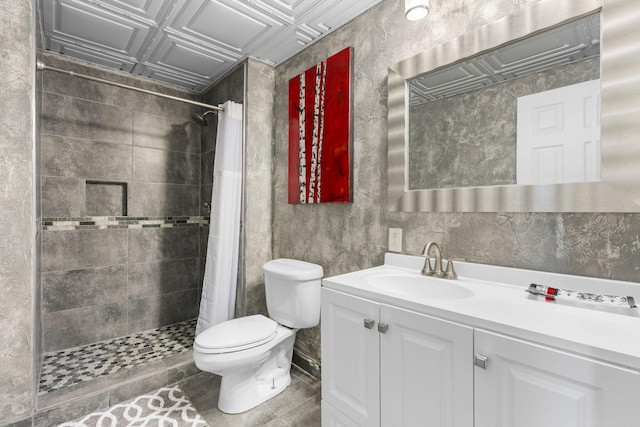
[(253, 354)]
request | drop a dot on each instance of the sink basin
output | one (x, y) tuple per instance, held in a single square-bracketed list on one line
[(417, 286)]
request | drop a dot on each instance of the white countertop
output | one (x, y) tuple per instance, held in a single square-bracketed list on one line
[(500, 303)]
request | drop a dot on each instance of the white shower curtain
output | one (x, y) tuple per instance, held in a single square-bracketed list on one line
[(221, 265)]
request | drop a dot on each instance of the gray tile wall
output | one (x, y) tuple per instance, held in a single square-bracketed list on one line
[(17, 212), (351, 236), (104, 147)]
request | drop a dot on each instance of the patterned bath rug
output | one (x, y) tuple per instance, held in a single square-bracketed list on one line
[(167, 407)]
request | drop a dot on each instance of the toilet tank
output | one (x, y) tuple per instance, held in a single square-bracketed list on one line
[(292, 289)]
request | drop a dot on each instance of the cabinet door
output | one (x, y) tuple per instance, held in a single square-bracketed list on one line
[(529, 385), (426, 370), (331, 417), (350, 358)]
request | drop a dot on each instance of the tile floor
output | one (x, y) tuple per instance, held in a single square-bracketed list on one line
[(298, 405)]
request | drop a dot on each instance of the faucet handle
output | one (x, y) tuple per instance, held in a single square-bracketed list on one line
[(427, 270), (450, 273)]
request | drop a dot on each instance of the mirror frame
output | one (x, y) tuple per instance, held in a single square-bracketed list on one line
[(619, 190)]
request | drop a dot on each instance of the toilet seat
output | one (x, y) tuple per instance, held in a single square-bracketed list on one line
[(237, 334)]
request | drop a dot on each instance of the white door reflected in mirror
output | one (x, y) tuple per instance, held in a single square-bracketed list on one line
[(558, 135)]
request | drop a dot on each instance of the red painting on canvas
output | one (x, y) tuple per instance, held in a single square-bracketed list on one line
[(320, 132)]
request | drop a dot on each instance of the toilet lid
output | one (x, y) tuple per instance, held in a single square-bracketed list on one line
[(237, 334)]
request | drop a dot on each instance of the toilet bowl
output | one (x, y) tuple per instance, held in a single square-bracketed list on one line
[(253, 354), (252, 371)]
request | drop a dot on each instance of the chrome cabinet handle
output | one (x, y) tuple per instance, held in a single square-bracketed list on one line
[(480, 361), (368, 323), (382, 327)]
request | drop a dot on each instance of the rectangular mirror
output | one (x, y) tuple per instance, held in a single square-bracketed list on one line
[(460, 170), (470, 122)]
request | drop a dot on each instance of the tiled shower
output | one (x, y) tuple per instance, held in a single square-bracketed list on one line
[(125, 180), (121, 217), (119, 184)]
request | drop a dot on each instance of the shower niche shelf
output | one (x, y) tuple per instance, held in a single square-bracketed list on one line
[(106, 198)]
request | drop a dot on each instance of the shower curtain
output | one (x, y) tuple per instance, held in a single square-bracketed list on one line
[(221, 265)]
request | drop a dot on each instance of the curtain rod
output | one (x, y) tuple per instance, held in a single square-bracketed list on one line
[(41, 66)]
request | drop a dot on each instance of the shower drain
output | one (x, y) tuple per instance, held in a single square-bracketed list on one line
[(145, 350)]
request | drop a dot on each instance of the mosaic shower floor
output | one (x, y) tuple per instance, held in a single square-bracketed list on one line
[(72, 366)]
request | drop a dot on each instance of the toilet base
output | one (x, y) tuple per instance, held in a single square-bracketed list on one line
[(237, 399), (245, 388)]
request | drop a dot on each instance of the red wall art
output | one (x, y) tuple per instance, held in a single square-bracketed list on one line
[(320, 132)]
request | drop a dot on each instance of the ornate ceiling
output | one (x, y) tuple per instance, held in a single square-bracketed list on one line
[(188, 43)]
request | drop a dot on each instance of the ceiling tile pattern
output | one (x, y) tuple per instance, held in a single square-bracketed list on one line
[(188, 43), (559, 46)]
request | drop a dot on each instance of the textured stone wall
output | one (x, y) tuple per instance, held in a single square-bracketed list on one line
[(258, 181), (350, 236), (17, 215), (252, 85)]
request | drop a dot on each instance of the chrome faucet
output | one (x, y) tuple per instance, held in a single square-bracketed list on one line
[(437, 269)]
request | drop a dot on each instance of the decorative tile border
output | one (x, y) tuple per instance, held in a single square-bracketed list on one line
[(107, 222)]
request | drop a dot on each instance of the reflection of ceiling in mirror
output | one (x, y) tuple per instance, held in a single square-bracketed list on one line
[(559, 46)]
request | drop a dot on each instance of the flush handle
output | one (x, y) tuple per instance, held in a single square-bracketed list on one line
[(368, 323), (382, 327), (480, 361)]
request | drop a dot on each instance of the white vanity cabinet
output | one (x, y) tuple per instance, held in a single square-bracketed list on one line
[(386, 366), (529, 385), (350, 360)]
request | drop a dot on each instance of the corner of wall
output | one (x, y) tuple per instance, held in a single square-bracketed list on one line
[(259, 143), (17, 210)]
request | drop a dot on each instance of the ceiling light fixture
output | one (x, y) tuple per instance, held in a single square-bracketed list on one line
[(415, 10)]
